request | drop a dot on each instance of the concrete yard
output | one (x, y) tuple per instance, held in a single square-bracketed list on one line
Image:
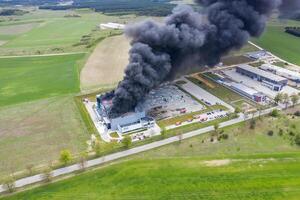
[(232, 74), (203, 95)]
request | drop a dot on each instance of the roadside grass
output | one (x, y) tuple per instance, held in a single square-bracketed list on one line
[(35, 133), (242, 142), (179, 178), (30, 78), (280, 43), (254, 150)]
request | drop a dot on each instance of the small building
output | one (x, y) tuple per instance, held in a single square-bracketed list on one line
[(257, 55), (111, 25), (268, 79), (248, 92), (291, 75)]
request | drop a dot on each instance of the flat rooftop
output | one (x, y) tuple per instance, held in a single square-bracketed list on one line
[(282, 70), (244, 88), (262, 73)]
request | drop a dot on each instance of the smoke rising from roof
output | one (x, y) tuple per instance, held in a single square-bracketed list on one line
[(187, 39)]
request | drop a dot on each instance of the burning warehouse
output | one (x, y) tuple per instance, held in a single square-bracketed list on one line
[(127, 122)]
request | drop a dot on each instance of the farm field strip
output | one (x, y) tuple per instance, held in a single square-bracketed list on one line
[(28, 78)]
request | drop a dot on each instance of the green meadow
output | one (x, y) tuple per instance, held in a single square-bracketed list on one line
[(280, 43), (185, 178), (25, 79), (34, 133), (250, 164)]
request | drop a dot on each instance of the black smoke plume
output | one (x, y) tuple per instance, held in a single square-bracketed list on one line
[(187, 39)]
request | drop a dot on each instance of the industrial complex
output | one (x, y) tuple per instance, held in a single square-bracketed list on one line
[(184, 102)]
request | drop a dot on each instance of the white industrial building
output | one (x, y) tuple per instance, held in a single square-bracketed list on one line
[(291, 75), (268, 79), (248, 92), (111, 25)]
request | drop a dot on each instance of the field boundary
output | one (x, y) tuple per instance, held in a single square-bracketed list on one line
[(44, 55)]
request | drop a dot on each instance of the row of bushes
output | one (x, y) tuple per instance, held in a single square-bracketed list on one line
[(293, 30), (9, 12)]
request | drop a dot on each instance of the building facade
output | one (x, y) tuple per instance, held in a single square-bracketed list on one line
[(291, 75), (268, 79), (248, 92)]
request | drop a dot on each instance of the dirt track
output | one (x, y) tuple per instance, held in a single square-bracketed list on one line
[(106, 64)]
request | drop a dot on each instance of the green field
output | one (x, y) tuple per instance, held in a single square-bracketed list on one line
[(187, 178), (280, 43), (248, 165), (36, 132), (29, 78), (43, 31)]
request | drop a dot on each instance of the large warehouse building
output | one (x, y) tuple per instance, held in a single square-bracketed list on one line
[(268, 79), (126, 123), (291, 75)]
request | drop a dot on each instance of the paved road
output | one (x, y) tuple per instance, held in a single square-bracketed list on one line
[(66, 170)]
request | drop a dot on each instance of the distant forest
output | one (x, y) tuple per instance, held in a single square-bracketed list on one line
[(111, 7), (28, 2)]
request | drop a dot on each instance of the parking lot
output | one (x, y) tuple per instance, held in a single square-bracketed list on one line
[(169, 101), (201, 118), (232, 74)]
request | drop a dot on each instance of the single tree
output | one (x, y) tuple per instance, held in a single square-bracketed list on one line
[(30, 169), (237, 110), (286, 100), (163, 132), (297, 140), (252, 124), (180, 136), (82, 161), (47, 174), (216, 128), (127, 141), (278, 98), (97, 147), (275, 113), (9, 184), (295, 99), (65, 157)]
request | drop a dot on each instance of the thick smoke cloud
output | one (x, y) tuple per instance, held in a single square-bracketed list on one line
[(289, 8), (187, 39)]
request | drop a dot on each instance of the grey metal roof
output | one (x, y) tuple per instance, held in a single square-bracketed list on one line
[(262, 73)]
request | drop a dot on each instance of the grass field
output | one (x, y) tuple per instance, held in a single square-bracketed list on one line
[(105, 66), (173, 178), (280, 43), (248, 165), (53, 31), (36, 132), (29, 78)]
